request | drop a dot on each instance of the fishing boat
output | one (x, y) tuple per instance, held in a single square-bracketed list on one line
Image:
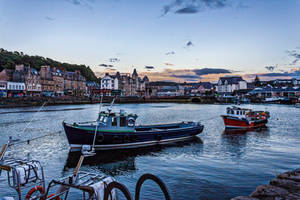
[(118, 131), (244, 118)]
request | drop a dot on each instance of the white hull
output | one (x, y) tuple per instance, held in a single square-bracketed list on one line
[(77, 147)]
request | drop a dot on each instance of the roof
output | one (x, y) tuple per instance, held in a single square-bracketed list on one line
[(206, 85), (231, 79), (270, 89)]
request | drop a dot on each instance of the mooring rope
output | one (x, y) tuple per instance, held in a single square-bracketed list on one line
[(35, 138), (33, 117)]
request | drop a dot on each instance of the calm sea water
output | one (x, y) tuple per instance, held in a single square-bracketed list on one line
[(214, 166)]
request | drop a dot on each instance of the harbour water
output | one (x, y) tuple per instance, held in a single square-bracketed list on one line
[(215, 165)]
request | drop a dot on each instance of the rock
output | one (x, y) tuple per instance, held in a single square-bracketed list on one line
[(285, 183), (244, 198), (295, 176), (265, 191)]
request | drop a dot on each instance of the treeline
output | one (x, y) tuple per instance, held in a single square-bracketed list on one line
[(10, 59)]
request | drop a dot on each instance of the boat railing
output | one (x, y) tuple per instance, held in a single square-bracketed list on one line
[(23, 174), (84, 181)]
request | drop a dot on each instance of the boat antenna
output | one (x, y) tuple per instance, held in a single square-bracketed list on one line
[(111, 105), (94, 139)]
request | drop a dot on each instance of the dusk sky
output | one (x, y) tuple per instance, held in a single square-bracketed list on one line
[(168, 39)]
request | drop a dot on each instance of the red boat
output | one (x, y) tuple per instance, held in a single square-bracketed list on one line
[(244, 118)]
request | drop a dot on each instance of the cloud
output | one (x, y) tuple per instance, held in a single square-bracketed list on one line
[(169, 64), (206, 71), (170, 53), (85, 3), (276, 74), (114, 60), (293, 73), (106, 66), (271, 68), (295, 55), (189, 44), (49, 18), (188, 75), (149, 67), (187, 10), (192, 6)]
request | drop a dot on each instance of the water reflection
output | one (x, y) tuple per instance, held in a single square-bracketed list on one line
[(234, 141), (119, 162), (230, 131)]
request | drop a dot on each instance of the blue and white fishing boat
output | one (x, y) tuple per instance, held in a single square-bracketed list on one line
[(118, 131)]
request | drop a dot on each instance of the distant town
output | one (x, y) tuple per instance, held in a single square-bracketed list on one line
[(52, 82)]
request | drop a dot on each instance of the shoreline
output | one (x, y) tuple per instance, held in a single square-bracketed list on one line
[(35, 102)]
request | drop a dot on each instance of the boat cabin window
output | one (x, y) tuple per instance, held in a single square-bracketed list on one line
[(237, 112), (232, 112), (228, 111), (103, 119), (114, 121), (122, 121)]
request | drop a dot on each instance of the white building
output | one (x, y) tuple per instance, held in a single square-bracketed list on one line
[(109, 83), (17, 86), (231, 84)]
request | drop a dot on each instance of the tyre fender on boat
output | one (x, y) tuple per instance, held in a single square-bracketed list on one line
[(100, 138)]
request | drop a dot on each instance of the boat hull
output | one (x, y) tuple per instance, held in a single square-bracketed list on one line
[(235, 122), (124, 140)]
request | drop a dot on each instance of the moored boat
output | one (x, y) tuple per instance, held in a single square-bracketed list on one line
[(118, 131), (244, 118)]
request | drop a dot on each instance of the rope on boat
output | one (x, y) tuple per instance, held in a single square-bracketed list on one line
[(35, 138), (33, 117)]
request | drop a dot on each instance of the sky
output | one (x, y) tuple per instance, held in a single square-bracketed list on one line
[(178, 40)]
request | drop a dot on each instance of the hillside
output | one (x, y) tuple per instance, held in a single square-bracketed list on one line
[(10, 59)]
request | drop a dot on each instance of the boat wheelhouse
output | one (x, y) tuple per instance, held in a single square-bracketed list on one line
[(119, 130), (244, 118)]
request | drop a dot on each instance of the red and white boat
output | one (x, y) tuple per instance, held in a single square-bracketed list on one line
[(244, 118)]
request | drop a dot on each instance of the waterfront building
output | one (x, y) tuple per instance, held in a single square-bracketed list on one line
[(93, 88), (109, 84), (31, 78), (198, 89), (15, 89), (271, 92), (124, 84), (58, 79), (228, 85), (3, 88), (74, 83), (47, 82), (15, 82), (164, 88)]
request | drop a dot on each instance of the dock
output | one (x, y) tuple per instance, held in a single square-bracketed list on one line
[(284, 186)]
